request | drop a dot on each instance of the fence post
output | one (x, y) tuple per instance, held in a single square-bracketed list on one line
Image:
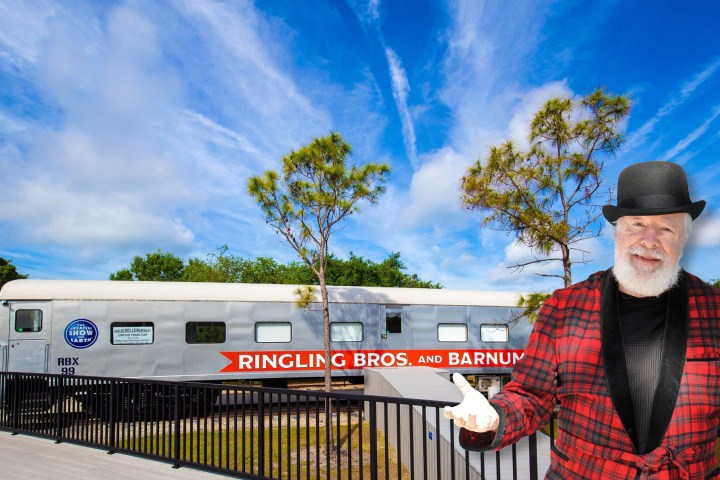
[(532, 443), (15, 404), (111, 407), (261, 434), (176, 450), (59, 408), (438, 448), (373, 440)]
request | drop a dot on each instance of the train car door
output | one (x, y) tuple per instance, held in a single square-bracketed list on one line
[(4, 329), (395, 331), (29, 337)]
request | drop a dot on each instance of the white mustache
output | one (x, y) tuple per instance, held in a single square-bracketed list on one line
[(644, 252)]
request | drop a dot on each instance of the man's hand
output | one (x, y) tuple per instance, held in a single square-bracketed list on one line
[(474, 413)]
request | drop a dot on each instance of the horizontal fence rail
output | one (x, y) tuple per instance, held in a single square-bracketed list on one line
[(254, 432)]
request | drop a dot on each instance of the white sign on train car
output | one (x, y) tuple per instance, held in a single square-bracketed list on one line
[(132, 335)]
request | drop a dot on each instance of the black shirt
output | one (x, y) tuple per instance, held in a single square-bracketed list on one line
[(642, 323)]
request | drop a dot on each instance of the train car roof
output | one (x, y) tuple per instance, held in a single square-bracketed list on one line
[(18, 290)]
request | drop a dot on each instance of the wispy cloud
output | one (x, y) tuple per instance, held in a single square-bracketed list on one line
[(400, 90), (368, 11), (524, 110), (219, 135), (485, 110), (525, 269), (373, 9), (252, 78), (706, 232), (692, 136), (133, 161), (687, 89), (99, 178), (22, 27)]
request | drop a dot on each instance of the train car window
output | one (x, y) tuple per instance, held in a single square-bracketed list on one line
[(452, 332), (393, 320), (273, 332), (494, 333), (205, 332), (346, 332), (28, 320), (132, 333)]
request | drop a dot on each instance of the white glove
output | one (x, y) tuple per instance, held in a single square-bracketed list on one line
[(474, 413)]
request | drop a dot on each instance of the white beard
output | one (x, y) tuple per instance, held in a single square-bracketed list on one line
[(644, 282)]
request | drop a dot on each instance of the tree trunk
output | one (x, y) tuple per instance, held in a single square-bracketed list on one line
[(326, 334), (328, 362), (567, 275)]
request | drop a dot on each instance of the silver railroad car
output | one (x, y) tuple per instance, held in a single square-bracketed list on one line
[(220, 332)]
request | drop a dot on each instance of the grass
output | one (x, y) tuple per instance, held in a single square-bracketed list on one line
[(290, 452)]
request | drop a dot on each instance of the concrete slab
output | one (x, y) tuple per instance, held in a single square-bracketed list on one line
[(24, 457)]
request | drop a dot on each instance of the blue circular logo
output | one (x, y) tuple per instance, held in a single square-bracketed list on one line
[(81, 333)]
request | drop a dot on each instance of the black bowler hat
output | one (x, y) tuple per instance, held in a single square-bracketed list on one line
[(652, 188)]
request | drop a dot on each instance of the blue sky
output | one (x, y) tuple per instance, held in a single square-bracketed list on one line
[(132, 126)]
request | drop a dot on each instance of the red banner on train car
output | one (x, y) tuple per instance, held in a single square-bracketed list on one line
[(358, 359)]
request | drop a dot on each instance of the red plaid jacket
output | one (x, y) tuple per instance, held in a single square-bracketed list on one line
[(575, 358)]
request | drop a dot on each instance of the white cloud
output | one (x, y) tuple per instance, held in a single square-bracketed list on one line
[(88, 223), (129, 163), (427, 222), (367, 11), (529, 104), (704, 246), (687, 89), (400, 89), (374, 8), (520, 261), (544, 275), (696, 82), (219, 158), (218, 135), (707, 232), (517, 253), (250, 64), (692, 136), (100, 177), (485, 47), (22, 27), (435, 189)]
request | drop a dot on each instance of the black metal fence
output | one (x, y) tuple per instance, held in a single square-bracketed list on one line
[(253, 432)]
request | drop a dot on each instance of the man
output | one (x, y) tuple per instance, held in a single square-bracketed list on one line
[(631, 355)]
